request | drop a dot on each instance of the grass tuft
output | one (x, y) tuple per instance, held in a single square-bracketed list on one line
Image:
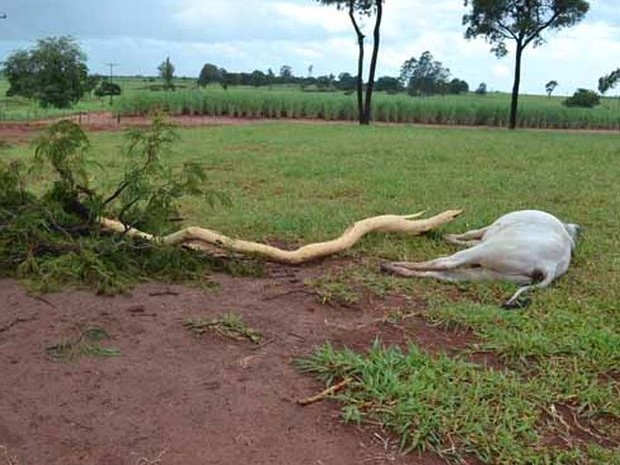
[(87, 343), (229, 325)]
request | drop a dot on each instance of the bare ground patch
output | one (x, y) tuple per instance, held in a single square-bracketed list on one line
[(173, 398), (23, 131)]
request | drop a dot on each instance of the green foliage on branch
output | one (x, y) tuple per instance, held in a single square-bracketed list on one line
[(608, 81), (54, 238), (499, 21), (502, 21)]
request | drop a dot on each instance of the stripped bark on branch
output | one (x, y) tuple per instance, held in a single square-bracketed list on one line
[(203, 239)]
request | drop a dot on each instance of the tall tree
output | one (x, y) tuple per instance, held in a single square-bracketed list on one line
[(389, 84), (166, 72), (208, 74), (458, 86), (424, 76), (356, 9), (522, 21), (550, 87), (54, 72), (346, 82), (258, 78), (286, 74)]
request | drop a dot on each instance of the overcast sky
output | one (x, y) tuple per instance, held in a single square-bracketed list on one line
[(243, 35)]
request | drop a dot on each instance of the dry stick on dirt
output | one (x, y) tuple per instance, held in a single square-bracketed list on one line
[(326, 393), (15, 322), (7, 457), (198, 238)]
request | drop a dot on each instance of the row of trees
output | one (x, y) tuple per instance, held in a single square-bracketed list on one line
[(423, 76), (210, 74)]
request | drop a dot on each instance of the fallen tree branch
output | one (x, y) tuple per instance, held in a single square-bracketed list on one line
[(326, 393), (200, 238)]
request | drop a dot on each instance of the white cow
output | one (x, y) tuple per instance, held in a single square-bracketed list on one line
[(529, 247)]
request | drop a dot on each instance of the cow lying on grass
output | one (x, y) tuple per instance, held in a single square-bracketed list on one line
[(530, 248)]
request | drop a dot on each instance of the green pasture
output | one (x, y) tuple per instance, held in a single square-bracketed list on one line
[(552, 395)]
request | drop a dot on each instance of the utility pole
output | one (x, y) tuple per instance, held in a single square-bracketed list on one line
[(112, 66)]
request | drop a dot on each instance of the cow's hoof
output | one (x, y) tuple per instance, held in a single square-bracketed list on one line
[(388, 267), (518, 304), (395, 268)]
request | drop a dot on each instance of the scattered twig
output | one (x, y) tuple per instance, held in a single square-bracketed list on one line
[(293, 291), (296, 335), (44, 300), (136, 309), (15, 322), (590, 431), (154, 461), (7, 458), (166, 292), (75, 423), (326, 393), (262, 344), (553, 412)]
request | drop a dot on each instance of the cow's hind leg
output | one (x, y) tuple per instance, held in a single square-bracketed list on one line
[(469, 274), (468, 238), (464, 258)]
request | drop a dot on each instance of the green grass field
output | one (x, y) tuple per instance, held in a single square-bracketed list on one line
[(558, 360), (290, 102)]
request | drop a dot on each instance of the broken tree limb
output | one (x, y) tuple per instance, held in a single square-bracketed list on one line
[(200, 238)]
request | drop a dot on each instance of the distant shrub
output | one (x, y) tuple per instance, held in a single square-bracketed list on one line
[(106, 88), (583, 98), (388, 84)]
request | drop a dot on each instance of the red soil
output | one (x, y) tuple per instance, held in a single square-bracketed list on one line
[(172, 398)]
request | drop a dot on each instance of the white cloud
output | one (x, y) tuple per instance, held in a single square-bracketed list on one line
[(312, 15), (500, 70), (243, 35)]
